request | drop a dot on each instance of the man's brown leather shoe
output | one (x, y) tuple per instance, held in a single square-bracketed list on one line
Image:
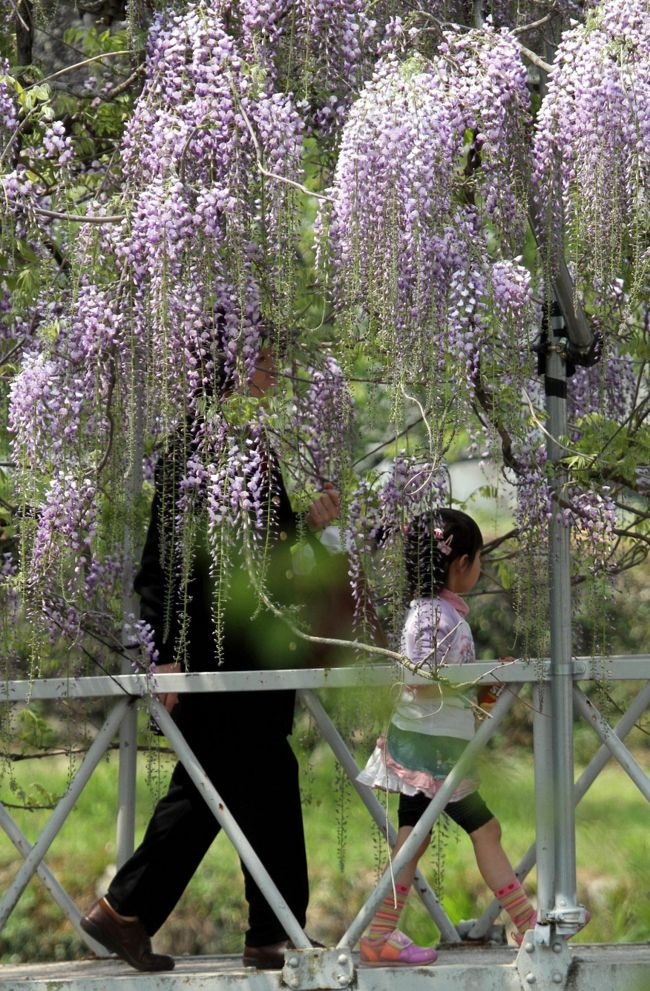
[(266, 957), (270, 957), (128, 939)]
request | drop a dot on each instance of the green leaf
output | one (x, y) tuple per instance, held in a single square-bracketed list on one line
[(505, 573), (26, 251), (28, 281), (240, 410)]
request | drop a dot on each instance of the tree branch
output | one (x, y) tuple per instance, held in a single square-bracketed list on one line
[(80, 218), (259, 157), (488, 404), (79, 65)]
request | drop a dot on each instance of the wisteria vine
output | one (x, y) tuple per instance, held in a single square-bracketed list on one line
[(402, 303)]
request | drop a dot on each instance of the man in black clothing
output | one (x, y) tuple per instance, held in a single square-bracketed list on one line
[(240, 739)]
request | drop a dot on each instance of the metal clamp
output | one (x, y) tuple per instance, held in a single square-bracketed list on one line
[(316, 968), (568, 919), (578, 667)]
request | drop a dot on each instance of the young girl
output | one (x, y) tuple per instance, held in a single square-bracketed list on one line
[(431, 727)]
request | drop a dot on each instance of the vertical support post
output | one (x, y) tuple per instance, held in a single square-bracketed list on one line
[(555, 387), (128, 743), (125, 821), (544, 818)]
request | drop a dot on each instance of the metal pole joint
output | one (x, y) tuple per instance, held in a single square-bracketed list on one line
[(317, 968), (544, 960)]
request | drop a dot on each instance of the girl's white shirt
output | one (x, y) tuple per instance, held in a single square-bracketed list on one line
[(436, 634)]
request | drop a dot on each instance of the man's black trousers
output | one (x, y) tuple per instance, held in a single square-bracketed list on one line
[(258, 779)]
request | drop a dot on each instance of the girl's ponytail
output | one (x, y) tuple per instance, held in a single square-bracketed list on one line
[(433, 541)]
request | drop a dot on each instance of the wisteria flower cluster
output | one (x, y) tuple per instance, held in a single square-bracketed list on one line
[(207, 150), (405, 229), (588, 506), (59, 400), (592, 141), (58, 144), (399, 135), (487, 78), (320, 49), (168, 310), (8, 107), (323, 452), (377, 520), (68, 520), (417, 137)]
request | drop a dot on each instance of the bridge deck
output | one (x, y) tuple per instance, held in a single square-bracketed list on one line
[(594, 968)]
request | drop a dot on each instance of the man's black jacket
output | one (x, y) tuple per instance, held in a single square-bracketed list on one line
[(252, 638)]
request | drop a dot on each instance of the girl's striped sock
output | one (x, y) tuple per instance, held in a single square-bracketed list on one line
[(517, 904), (387, 915)]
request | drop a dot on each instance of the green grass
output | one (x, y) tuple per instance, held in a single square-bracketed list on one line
[(345, 855)]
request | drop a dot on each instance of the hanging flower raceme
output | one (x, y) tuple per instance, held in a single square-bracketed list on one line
[(58, 399), (412, 487), (606, 389), (225, 469), (411, 198), (62, 432), (592, 144), (204, 123), (586, 503), (57, 144), (8, 108), (34, 414), (392, 190), (319, 49), (66, 524), (377, 522), (208, 236), (487, 80), (64, 575), (322, 415)]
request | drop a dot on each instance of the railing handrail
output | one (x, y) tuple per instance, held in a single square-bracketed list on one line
[(620, 667)]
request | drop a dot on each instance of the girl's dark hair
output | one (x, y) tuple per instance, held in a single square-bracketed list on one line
[(426, 565)]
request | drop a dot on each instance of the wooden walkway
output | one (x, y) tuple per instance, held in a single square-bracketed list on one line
[(594, 968)]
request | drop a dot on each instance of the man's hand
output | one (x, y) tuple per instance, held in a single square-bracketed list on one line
[(325, 509), (488, 694), (168, 699)]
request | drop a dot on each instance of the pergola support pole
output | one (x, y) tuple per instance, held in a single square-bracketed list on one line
[(544, 827), (567, 915), (128, 749)]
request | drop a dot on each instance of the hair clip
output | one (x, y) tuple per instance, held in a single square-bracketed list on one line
[(444, 546)]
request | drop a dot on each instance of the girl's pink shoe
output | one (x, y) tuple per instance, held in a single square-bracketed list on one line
[(397, 950)]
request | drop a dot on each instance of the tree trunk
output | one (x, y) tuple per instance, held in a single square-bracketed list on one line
[(24, 19)]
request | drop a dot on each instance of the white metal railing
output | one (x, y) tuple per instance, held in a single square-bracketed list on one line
[(124, 691)]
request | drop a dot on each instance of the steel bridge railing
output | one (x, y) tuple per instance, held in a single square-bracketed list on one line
[(126, 690)]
